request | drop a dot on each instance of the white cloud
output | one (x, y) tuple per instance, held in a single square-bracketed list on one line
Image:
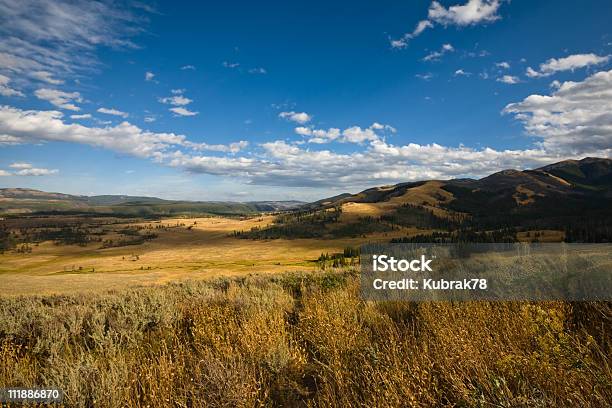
[(176, 100), (569, 63), (532, 73), (284, 164), (34, 171), (20, 165), (471, 13), (30, 126), (303, 131), (356, 134), (61, 99), (461, 72), (574, 119), (436, 55), (502, 65), (27, 169), (113, 111), (229, 148), (46, 77), (509, 79), (188, 67), (84, 116), (150, 118), (227, 64), (298, 117), (149, 76), (425, 77), (180, 111), (8, 140), (50, 39), (353, 134), (5, 89), (179, 103), (380, 126)]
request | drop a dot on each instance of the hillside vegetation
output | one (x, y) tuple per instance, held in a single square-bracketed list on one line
[(572, 197)]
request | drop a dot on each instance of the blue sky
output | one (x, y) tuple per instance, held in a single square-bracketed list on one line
[(282, 100)]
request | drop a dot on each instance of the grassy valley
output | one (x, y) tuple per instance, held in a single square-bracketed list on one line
[(133, 301)]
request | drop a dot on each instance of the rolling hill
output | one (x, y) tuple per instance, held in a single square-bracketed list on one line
[(571, 196), (21, 200)]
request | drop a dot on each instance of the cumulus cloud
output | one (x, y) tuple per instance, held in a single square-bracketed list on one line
[(5, 89), (29, 126), (574, 119), (353, 134), (436, 55), (149, 76), (298, 117), (4, 173), (471, 13), (61, 99), (113, 112), (176, 100), (569, 63), (284, 164), (503, 65), (509, 79)]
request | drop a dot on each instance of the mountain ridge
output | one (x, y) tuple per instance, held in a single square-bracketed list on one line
[(568, 176)]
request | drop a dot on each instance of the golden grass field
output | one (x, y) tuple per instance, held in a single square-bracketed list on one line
[(303, 340), (205, 251), (199, 318)]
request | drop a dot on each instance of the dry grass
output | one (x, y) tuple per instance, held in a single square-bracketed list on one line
[(303, 340), (429, 195), (203, 252)]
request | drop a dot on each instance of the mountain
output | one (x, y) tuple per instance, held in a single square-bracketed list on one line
[(574, 178), (574, 196), (22, 200)]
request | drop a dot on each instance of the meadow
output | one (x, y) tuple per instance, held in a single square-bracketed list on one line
[(186, 312), (183, 248), (303, 340)]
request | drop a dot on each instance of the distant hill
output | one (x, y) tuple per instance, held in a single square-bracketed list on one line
[(569, 196), (22, 200)]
